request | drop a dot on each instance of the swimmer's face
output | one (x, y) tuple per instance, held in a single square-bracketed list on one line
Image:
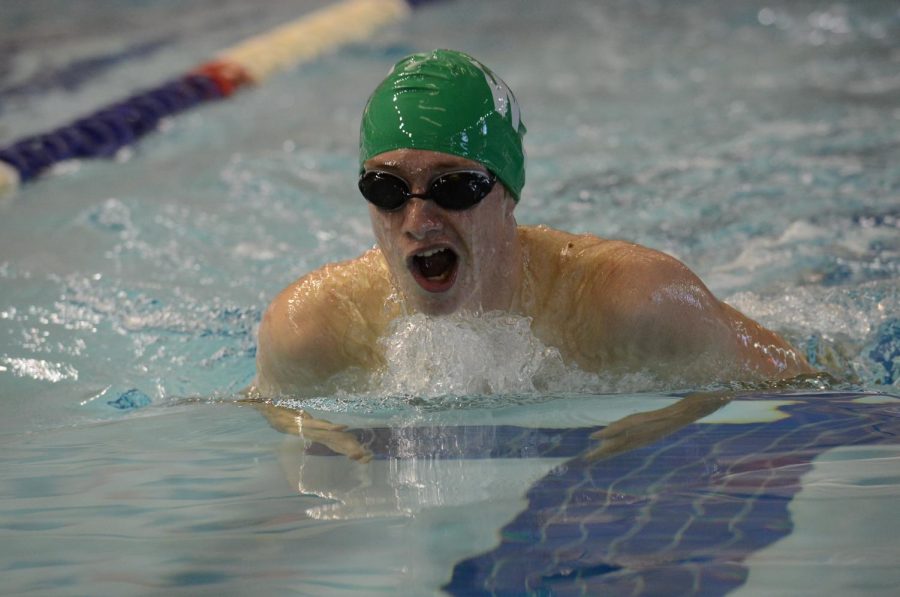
[(442, 260)]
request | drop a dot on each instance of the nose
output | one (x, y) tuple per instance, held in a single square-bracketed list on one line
[(422, 218)]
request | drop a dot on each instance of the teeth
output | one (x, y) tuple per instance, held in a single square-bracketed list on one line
[(430, 252)]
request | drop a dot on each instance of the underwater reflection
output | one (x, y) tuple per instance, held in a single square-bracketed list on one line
[(402, 470)]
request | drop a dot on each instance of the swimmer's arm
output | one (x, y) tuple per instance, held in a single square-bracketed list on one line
[(296, 358), (640, 429), (761, 348), (328, 322), (298, 346), (299, 422), (655, 307)]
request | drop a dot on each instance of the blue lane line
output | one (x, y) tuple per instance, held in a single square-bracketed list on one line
[(678, 517), (109, 129)]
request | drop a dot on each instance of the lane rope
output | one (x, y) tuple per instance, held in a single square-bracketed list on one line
[(104, 132)]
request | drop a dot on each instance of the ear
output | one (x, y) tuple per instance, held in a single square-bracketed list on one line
[(509, 216), (509, 202)]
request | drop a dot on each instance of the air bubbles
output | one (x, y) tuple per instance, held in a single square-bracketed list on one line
[(833, 20), (112, 216), (766, 16), (850, 332), (488, 354), (460, 355)]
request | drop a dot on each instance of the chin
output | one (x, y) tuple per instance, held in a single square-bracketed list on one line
[(443, 303), (436, 307)]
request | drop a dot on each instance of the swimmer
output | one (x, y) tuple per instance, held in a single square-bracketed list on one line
[(442, 169)]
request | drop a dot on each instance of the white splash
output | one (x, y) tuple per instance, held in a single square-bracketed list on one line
[(485, 354), (38, 369), (463, 355)]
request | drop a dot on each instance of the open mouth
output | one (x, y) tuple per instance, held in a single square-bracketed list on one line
[(434, 269)]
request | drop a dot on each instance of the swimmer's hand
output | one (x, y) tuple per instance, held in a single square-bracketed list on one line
[(645, 428), (299, 422)]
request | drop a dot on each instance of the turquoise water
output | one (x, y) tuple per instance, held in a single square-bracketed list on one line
[(756, 142)]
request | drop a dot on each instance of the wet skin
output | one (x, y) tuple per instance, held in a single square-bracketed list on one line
[(608, 306), (444, 261)]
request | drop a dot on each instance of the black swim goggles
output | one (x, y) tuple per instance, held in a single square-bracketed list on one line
[(455, 191)]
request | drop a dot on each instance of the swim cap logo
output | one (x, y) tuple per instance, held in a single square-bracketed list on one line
[(503, 97)]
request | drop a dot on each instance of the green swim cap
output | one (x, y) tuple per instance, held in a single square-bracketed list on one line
[(449, 102)]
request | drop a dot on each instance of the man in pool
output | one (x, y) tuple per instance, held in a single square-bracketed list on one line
[(442, 168)]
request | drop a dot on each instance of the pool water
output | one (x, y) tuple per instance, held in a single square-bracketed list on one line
[(756, 142)]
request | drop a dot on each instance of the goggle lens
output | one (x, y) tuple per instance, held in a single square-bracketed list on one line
[(455, 191)]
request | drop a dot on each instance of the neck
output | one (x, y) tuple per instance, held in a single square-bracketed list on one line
[(520, 286), (508, 267)]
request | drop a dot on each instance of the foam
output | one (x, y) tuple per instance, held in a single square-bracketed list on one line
[(484, 354)]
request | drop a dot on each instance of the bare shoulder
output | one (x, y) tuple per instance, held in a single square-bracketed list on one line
[(613, 304), (554, 248), (657, 303), (609, 283), (660, 308), (645, 282), (323, 323), (617, 274)]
